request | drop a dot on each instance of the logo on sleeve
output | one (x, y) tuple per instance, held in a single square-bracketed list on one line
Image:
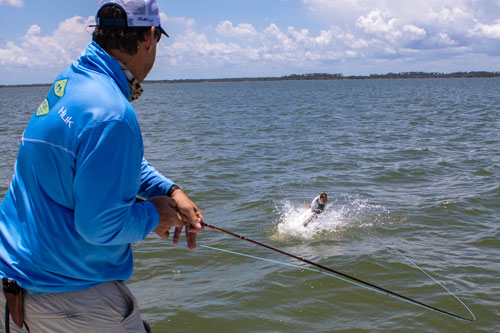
[(43, 109), (60, 87)]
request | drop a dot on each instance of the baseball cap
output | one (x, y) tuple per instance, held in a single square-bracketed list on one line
[(139, 13)]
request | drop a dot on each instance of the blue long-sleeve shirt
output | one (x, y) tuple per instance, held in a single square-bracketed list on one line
[(69, 216)]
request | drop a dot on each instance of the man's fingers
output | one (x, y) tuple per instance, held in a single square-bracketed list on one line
[(169, 217), (190, 238), (192, 219), (196, 224), (195, 227), (177, 234), (189, 216)]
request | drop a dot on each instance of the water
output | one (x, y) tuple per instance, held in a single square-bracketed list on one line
[(410, 163)]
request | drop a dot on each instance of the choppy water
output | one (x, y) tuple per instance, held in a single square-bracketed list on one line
[(410, 163)]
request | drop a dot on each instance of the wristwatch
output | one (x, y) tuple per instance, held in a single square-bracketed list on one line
[(172, 189)]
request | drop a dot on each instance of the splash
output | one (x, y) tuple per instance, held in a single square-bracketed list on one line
[(338, 217)]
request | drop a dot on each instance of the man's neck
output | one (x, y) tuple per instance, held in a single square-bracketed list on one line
[(130, 61)]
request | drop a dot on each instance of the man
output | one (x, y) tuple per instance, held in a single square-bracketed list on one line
[(70, 215), (317, 207)]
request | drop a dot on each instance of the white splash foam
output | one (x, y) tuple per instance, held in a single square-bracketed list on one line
[(336, 218), (293, 218)]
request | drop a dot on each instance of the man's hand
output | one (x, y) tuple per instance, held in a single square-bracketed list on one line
[(191, 216), (178, 211), (169, 217)]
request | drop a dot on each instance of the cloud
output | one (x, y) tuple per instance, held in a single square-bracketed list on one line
[(379, 24), (368, 31), (355, 35), (442, 15), (490, 31), (38, 57), (244, 30), (242, 46), (178, 22), (422, 25), (12, 3), (58, 49)]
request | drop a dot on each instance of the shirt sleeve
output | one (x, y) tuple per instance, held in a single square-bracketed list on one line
[(107, 179), (153, 183)]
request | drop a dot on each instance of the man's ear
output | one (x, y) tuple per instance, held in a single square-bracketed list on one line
[(150, 38)]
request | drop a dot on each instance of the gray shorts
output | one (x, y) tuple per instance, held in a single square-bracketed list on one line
[(108, 307)]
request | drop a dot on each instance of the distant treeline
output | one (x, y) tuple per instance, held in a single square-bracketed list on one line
[(328, 76), (410, 75), (321, 76)]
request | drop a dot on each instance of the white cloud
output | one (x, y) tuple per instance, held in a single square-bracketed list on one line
[(270, 47), (379, 24), (355, 35), (323, 6), (443, 14), (244, 30), (178, 22), (388, 32), (442, 39), (491, 31), (413, 32), (372, 32), (12, 3), (58, 49), (421, 25)]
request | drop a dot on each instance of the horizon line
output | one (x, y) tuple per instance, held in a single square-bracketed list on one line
[(310, 76)]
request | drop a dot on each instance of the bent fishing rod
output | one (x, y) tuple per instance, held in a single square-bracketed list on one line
[(374, 287), (349, 278)]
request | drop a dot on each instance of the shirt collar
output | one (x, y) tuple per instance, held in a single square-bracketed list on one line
[(135, 87)]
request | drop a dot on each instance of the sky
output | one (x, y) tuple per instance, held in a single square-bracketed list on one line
[(256, 38)]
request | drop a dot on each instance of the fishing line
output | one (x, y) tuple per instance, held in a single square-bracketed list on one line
[(427, 274), (345, 280), (342, 276)]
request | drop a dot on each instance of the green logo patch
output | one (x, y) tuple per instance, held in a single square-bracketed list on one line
[(43, 109), (60, 87)]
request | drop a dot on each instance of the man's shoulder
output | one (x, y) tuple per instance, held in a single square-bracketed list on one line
[(98, 96)]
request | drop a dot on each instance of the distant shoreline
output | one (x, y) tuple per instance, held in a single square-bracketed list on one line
[(314, 76)]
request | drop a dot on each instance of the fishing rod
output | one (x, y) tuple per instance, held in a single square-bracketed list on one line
[(360, 282), (352, 278)]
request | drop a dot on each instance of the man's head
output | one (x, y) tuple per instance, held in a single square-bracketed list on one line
[(124, 26), (323, 198)]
